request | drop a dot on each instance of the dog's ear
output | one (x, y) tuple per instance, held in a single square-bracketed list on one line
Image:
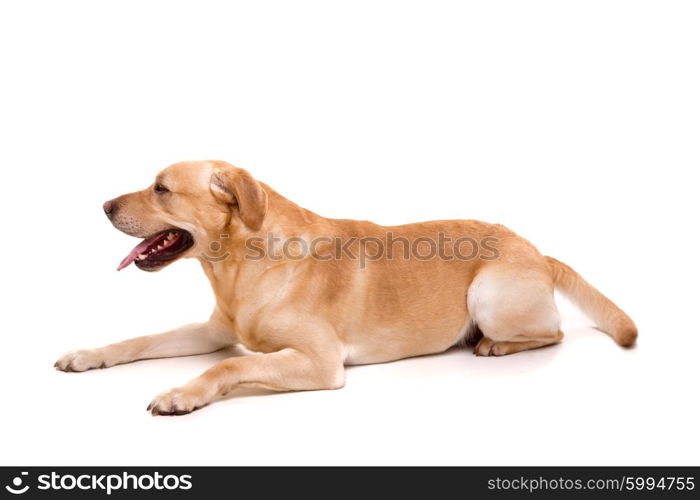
[(236, 186)]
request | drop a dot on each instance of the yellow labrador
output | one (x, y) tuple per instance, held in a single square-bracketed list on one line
[(311, 294)]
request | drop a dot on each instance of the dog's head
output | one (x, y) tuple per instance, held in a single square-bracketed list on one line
[(189, 206)]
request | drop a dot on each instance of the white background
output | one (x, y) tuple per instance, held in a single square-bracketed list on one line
[(574, 123)]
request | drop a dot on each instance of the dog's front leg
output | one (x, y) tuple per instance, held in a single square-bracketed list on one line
[(284, 370), (196, 338)]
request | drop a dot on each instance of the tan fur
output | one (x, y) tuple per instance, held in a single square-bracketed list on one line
[(607, 316), (310, 316)]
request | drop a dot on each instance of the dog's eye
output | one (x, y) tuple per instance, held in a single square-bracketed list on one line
[(160, 189)]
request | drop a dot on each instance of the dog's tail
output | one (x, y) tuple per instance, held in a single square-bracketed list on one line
[(607, 316)]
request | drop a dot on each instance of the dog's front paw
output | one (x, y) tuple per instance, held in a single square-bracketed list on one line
[(82, 360), (178, 401)]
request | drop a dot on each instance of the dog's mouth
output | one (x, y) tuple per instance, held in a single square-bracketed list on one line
[(159, 250)]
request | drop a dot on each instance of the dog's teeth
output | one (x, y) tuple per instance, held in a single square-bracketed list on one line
[(171, 236), (160, 247), (141, 256)]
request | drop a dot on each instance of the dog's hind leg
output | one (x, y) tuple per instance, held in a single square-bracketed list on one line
[(196, 338), (515, 310), (487, 347)]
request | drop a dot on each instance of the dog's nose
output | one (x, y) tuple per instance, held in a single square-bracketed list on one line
[(108, 207)]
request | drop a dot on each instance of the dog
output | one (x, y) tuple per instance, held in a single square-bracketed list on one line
[(309, 294)]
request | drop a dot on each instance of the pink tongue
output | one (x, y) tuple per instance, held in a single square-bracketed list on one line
[(140, 248)]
